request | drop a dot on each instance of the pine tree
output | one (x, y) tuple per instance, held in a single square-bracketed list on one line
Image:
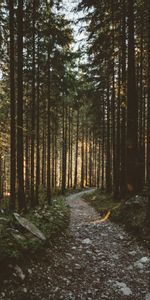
[(20, 145), (13, 108)]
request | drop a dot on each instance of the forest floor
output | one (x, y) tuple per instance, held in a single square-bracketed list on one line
[(92, 260)]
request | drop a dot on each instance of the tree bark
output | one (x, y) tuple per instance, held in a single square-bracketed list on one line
[(38, 133), (76, 153), (20, 148), (12, 203), (123, 158), (132, 108), (33, 200), (64, 146), (48, 135), (108, 150), (82, 159), (148, 120), (103, 147)]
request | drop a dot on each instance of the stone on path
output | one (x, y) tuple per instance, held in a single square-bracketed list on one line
[(140, 264), (29, 226), (147, 297), (19, 272), (87, 241), (144, 260), (126, 291)]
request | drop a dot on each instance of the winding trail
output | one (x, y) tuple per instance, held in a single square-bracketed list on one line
[(91, 261)]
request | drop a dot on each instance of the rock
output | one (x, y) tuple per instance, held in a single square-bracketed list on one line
[(77, 267), (132, 253), (29, 226), (144, 260), (70, 296), (147, 297), (130, 268), (25, 290), (136, 200), (138, 265), (126, 291), (104, 234), (67, 281), (89, 292), (89, 252), (19, 272), (87, 241), (115, 256), (30, 271)]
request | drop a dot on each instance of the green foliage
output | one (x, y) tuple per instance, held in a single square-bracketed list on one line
[(16, 242), (101, 201), (130, 213)]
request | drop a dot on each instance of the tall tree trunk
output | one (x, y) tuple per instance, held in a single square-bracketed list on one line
[(123, 175), (103, 147), (27, 183), (108, 150), (148, 120), (1, 177), (20, 148), (94, 160), (43, 150), (86, 158), (33, 200), (113, 104), (12, 204), (53, 159), (71, 153), (64, 145), (69, 147), (48, 135), (76, 153), (132, 109), (56, 157), (38, 133), (141, 150), (90, 159), (117, 167), (99, 164), (82, 159)]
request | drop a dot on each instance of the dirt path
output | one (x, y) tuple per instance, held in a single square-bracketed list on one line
[(90, 262)]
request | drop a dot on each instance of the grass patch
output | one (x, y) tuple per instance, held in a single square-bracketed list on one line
[(131, 214), (101, 201)]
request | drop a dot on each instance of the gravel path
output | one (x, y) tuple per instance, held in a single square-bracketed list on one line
[(92, 261)]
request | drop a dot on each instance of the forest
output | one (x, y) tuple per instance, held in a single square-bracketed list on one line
[(74, 149)]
